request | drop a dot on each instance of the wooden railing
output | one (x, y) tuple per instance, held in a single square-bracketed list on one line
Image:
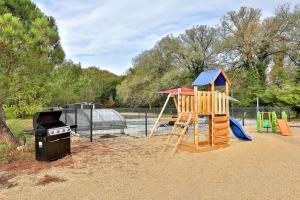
[(220, 103), (204, 103), (186, 102), (207, 103)]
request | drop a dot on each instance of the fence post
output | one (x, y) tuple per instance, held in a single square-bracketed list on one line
[(65, 115), (91, 125), (75, 120), (257, 104), (280, 112), (146, 123)]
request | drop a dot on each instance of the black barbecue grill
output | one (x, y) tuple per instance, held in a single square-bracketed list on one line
[(52, 136)]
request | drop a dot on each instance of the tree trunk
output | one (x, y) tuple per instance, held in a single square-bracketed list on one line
[(5, 134)]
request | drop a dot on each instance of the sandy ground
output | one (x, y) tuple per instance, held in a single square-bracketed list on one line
[(130, 168)]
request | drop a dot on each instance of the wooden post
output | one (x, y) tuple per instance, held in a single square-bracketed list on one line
[(175, 102), (224, 103), (216, 102), (183, 102), (179, 101), (159, 116), (227, 98), (220, 102), (196, 133), (212, 113), (227, 104), (199, 107)]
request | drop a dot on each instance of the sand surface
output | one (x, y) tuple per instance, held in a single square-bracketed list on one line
[(131, 168)]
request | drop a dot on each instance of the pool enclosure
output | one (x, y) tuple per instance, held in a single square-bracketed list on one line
[(87, 116)]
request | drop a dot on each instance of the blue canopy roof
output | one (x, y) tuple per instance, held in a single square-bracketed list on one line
[(209, 77)]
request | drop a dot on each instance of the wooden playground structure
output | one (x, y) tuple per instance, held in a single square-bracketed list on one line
[(212, 103)]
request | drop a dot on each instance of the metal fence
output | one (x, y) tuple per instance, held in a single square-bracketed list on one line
[(137, 122)]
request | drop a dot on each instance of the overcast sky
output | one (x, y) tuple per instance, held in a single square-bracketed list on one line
[(109, 33)]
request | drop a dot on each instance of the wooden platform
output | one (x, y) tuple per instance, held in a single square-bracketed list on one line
[(203, 147)]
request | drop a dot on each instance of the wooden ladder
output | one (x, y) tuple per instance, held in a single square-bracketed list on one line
[(179, 129)]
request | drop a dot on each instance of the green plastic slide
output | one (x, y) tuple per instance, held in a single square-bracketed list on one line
[(258, 122), (283, 115), (274, 123)]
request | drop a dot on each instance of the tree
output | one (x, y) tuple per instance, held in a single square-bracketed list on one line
[(293, 44), (199, 49), (29, 50), (153, 70), (65, 84), (243, 45)]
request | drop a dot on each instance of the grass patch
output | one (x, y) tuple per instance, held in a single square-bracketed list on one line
[(16, 126)]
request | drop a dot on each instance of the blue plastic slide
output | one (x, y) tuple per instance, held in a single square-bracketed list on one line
[(238, 130)]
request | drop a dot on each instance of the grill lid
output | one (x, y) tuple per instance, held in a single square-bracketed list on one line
[(48, 117)]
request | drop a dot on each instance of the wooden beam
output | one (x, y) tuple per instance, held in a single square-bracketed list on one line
[(204, 102), (183, 103), (159, 116), (179, 100), (223, 103), (208, 103), (187, 103), (175, 102), (199, 102), (167, 119), (212, 114), (196, 112), (220, 102), (227, 98), (227, 103)]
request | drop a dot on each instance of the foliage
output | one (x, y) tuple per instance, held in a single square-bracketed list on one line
[(199, 48), (71, 83), (154, 70), (18, 125), (33, 72), (29, 49), (261, 57)]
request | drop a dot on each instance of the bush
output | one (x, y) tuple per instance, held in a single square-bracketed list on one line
[(21, 110)]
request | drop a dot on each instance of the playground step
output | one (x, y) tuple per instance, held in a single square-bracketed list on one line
[(218, 119), (221, 126), (221, 140), (221, 136), (221, 132)]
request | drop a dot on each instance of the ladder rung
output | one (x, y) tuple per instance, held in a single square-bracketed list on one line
[(181, 123), (170, 145)]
